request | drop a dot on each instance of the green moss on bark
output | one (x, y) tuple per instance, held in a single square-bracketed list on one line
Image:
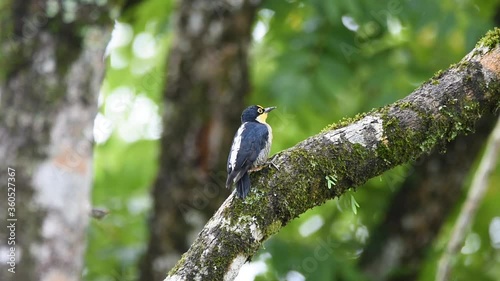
[(344, 122), (441, 109), (491, 39)]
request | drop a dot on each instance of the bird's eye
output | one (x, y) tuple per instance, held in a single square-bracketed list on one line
[(260, 110)]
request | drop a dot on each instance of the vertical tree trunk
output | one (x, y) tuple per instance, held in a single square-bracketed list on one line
[(420, 207), (52, 66), (203, 99)]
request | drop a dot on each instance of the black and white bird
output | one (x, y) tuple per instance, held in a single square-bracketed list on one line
[(250, 149)]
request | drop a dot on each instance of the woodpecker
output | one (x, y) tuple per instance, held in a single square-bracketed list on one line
[(250, 149)]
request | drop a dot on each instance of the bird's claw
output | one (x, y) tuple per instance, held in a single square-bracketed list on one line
[(271, 163), (267, 164)]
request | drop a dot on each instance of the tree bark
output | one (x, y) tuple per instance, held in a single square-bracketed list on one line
[(349, 153), (436, 181), (206, 84), (422, 205), (398, 245), (52, 67)]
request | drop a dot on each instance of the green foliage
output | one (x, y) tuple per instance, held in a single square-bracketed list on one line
[(319, 62), (319, 71), (491, 39), (124, 170), (331, 180), (478, 258), (354, 205), (122, 182)]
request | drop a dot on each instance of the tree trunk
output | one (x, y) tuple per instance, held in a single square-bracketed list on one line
[(348, 154), (206, 84), (52, 67)]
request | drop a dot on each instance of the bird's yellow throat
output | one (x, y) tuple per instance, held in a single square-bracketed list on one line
[(262, 118)]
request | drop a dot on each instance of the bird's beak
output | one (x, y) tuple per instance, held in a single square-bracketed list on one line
[(268, 109)]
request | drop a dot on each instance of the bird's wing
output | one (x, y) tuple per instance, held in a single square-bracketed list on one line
[(254, 138), (246, 148)]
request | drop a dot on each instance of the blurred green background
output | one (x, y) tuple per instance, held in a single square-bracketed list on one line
[(318, 61)]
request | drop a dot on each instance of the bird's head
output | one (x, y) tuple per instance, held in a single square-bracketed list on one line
[(256, 113)]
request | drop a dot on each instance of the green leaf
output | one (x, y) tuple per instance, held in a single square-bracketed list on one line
[(331, 181), (354, 205)]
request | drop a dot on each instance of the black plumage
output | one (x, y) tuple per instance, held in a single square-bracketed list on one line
[(250, 148)]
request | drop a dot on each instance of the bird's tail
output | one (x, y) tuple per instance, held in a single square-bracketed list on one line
[(243, 186)]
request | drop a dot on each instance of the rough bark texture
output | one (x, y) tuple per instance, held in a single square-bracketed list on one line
[(207, 81), (421, 206), (52, 66), (446, 106)]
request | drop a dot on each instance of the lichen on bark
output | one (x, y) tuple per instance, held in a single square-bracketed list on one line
[(352, 153), (49, 82)]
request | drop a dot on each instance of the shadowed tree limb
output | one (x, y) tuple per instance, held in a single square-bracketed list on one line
[(446, 106), (398, 245), (467, 214)]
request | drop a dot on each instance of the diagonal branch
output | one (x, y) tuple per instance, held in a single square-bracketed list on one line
[(446, 106)]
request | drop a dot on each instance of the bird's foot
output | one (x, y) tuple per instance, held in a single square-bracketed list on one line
[(267, 164), (257, 168), (271, 163)]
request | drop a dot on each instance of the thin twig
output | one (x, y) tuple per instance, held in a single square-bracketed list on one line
[(476, 193)]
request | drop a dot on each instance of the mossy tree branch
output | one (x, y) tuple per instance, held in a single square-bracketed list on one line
[(207, 70), (352, 152), (398, 246)]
